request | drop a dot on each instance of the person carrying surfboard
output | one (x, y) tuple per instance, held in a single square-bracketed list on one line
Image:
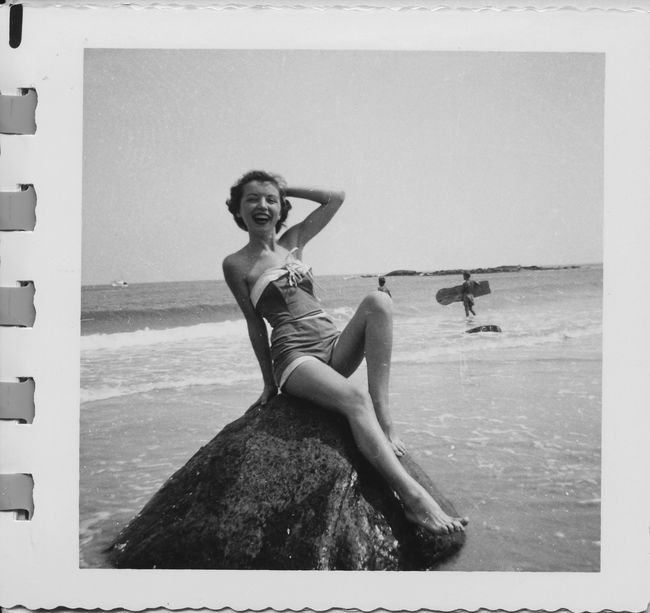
[(468, 294)]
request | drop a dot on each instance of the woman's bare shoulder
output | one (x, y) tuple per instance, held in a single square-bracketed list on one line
[(236, 264), (237, 258)]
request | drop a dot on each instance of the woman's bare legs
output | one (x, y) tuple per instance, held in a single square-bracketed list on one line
[(319, 383), (370, 333)]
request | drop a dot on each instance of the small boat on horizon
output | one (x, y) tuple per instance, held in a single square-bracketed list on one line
[(119, 283)]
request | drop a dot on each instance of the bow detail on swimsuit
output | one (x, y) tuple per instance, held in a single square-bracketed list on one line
[(296, 270)]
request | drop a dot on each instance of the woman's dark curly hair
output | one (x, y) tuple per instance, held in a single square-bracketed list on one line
[(237, 191)]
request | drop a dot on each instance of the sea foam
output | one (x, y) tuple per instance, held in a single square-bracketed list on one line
[(132, 387), (119, 340), (448, 346)]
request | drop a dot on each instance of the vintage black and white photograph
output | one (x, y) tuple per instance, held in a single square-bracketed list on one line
[(341, 310), (335, 309)]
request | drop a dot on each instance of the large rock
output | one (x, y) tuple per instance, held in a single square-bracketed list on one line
[(282, 487)]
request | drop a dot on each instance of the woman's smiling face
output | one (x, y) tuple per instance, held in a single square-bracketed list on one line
[(260, 205)]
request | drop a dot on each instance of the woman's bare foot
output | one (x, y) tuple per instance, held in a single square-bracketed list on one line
[(426, 513)]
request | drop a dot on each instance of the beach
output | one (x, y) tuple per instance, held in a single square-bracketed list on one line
[(506, 424)]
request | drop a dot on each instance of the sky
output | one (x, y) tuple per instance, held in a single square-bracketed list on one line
[(448, 159)]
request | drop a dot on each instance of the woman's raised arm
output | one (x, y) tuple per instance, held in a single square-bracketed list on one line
[(303, 232)]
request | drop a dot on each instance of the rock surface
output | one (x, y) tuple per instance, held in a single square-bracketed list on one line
[(283, 487)]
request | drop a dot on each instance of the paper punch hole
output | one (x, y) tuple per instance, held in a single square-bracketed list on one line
[(18, 209), (18, 113), (17, 400), (17, 494), (17, 305), (15, 25)]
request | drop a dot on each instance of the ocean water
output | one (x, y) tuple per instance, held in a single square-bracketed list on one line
[(507, 424)]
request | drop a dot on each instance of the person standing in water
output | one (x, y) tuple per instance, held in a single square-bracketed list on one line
[(382, 286), (468, 294), (307, 357)]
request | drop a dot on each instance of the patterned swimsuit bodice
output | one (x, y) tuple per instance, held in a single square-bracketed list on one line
[(284, 294)]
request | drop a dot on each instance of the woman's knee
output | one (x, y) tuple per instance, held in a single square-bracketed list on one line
[(378, 302), (357, 401)]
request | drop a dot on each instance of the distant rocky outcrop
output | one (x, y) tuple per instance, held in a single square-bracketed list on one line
[(401, 273), (474, 271), (283, 487)]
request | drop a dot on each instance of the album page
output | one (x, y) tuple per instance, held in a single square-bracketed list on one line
[(333, 308)]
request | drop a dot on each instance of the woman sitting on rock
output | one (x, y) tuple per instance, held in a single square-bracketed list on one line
[(307, 356)]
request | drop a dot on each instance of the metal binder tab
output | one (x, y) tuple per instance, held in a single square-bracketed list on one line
[(17, 493), (17, 400), (18, 209), (17, 305), (18, 113)]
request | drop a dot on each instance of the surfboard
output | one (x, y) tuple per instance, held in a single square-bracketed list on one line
[(455, 294), (486, 328)]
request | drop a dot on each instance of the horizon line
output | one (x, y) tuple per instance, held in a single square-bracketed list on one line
[(371, 274)]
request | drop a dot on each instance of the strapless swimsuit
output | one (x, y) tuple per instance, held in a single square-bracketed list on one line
[(284, 296)]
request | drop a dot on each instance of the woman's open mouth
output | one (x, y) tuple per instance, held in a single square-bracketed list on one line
[(261, 218)]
